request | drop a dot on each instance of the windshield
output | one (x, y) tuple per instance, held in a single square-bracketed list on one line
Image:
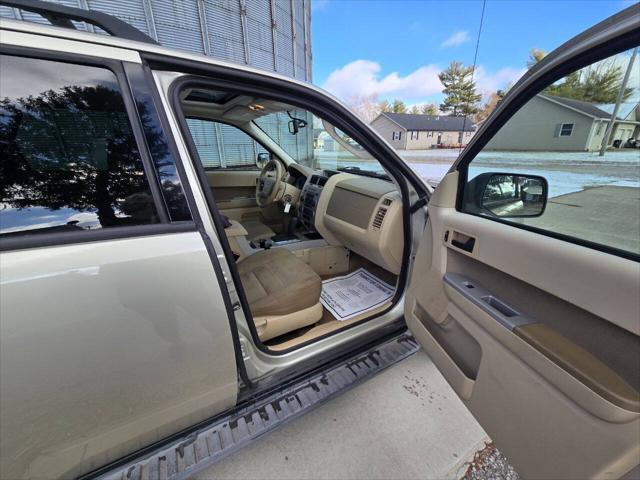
[(311, 143)]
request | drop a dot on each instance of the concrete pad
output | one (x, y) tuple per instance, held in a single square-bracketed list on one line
[(404, 423)]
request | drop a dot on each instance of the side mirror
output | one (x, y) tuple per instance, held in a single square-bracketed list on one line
[(262, 159), (510, 195)]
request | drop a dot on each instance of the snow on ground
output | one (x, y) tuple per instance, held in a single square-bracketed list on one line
[(565, 172)]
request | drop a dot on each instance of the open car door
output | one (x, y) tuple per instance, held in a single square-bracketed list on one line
[(526, 292)]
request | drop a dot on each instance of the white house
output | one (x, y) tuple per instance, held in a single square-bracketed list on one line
[(408, 131)]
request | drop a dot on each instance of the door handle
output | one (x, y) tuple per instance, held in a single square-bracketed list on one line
[(467, 245)]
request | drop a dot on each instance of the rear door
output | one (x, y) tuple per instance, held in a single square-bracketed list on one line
[(114, 330), (531, 310)]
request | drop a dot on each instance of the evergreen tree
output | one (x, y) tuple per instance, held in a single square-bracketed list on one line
[(415, 110), (398, 106), (429, 109), (460, 93), (595, 84)]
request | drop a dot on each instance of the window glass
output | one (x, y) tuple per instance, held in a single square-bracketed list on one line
[(68, 157), (298, 146), (329, 147), (223, 146), (593, 192)]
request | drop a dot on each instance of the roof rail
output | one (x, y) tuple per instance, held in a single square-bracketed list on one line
[(62, 16)]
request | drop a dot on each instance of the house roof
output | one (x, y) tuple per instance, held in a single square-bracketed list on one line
[(442, 123), (591, 109)]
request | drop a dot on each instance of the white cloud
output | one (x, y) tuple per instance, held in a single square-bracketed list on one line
[(488, 82), (456, 39), (362, 78)]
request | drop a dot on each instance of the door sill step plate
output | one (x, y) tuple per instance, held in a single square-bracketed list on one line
[(201, 449)]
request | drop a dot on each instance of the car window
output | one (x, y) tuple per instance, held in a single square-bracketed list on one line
[(221, 145), (298, 146), (558, 136), (317, 144), (69, 159)]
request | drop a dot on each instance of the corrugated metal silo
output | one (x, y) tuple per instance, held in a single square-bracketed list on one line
[(273, 35)]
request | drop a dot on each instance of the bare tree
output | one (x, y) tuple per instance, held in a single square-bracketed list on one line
[(535, 55), (367, 107)]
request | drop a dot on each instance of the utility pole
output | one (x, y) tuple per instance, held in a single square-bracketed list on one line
[(614, 115)]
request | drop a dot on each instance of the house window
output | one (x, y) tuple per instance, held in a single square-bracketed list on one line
[(430, 134), (396, 136), (467, 134), (414, 135), (566, 129)]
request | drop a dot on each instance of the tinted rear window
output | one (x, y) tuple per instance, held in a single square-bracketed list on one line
[(68, 157)]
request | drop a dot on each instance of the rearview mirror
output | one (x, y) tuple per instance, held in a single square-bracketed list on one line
[(262, 159), (509, 195), (294, 127)]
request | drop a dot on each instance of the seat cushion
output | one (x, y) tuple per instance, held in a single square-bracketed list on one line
[(276, 282), (257, 230)]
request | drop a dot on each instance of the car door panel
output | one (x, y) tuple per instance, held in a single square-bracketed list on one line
[(124, 343), (545, 352), (233, 188), (235, 195)]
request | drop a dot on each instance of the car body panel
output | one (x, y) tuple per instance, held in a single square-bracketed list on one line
[(118, 344)]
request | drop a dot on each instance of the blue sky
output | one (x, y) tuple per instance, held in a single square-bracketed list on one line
[(395, 48)]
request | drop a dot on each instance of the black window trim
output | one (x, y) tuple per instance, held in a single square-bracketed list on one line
[(26, 240), (606, 49)]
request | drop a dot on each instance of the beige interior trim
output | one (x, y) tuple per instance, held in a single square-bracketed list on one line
[(228, 178), (383, 246), (326, 328), (581, 364), (328, 260), (608, 285), (235, 230), (271, 326), (473, 317)]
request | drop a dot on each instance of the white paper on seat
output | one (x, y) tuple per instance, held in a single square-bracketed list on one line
[(354, 294)]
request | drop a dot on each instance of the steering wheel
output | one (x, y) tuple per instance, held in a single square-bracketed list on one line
[(268, 183)]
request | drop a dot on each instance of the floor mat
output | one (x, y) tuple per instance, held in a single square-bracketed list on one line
[(353, 294)]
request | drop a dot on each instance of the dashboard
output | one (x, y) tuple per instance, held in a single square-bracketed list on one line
[(361, 213)]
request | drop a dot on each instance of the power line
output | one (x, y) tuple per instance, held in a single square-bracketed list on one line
[(475, 60)]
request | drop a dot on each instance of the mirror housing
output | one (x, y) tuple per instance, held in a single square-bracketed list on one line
[(262, 159), (509, 195), (294, 126)]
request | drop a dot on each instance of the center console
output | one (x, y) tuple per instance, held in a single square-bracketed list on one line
[(309, 199)]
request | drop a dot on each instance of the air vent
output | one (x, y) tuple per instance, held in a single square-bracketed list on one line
[(318, 180), (386, 202), (377, 220)]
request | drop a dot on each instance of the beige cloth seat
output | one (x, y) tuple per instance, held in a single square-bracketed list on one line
[(257, 230), (283, 291)]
